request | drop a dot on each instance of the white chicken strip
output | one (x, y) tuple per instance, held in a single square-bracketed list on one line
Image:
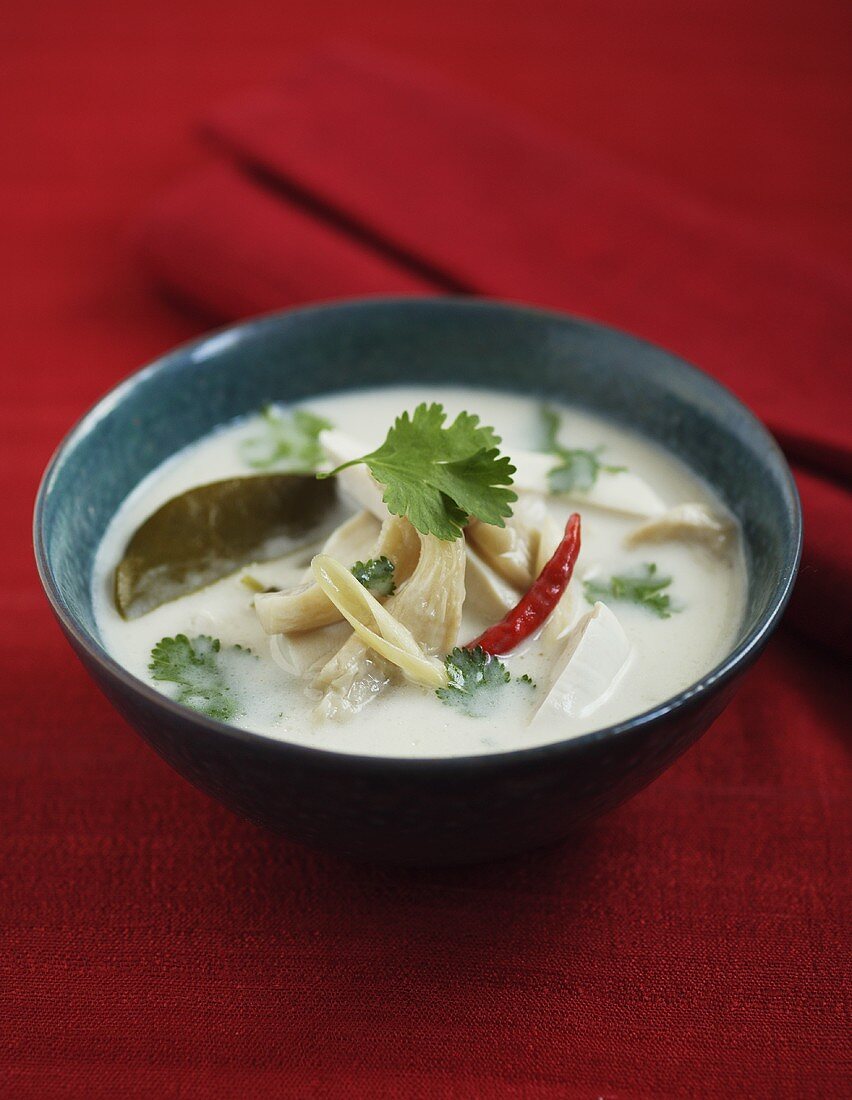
[(511, 551), (429, 605), (614, 492), (689, 523), (486, 593), (357, 481), (596, 653)]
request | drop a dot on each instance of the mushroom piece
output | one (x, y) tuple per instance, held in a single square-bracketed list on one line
[(511, 551), (596, 653), (690, 523), (613, 492), (428, 605), (375, 626), (305, 653), (305, 606)]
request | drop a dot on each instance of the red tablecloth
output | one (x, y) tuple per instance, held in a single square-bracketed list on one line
[(688, 945)]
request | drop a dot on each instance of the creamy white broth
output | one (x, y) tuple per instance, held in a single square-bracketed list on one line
[(667, 655)]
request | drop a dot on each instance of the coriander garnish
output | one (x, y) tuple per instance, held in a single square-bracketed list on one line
[(289, 441), (440, 476), (643, 587), (578, 468), (376, 575), (195, 666)]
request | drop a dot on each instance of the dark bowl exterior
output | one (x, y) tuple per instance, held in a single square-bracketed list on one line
[(437, 811)]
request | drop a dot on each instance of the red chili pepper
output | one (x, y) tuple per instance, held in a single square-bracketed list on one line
[(533, 608)]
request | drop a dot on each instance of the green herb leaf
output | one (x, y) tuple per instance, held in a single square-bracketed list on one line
[(376, 575), (578, 469), (474, 678), (551, 423), (289, 441), (643, 587), (210, 531), (526, 679), (439, 476), (197, 668)]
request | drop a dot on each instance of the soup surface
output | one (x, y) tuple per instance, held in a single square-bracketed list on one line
[(673, 599)]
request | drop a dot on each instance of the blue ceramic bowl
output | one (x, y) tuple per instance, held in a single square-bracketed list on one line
[(430, 810)]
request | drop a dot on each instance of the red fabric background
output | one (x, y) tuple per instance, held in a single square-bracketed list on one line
[(690, 944)]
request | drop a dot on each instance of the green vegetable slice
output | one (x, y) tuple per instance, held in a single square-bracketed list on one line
[(211, 531)]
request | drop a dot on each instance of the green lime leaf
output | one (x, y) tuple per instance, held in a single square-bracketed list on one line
[(213, 530)]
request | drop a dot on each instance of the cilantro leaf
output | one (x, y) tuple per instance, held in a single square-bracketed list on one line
[(643, 587), (551, 422), (376, 575), (439, 476), (196, 668), (578, 468), (288, 441), (474, 677)]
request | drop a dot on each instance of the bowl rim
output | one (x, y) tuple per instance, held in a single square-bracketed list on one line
[(740, 657)]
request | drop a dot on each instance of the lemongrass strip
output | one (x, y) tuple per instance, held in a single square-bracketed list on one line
[(390, 639)]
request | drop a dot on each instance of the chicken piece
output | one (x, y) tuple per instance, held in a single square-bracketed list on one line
[(357, 481), (690, 523), (511, 551), (614, 492), (486, 593), (596, 653)]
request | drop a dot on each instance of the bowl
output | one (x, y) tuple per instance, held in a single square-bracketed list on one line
[(416, 811)]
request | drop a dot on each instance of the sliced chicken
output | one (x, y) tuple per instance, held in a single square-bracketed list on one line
[(614, 492), (486, 593), (512, 551), (356, 481), (690, 523), (596, 653)]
